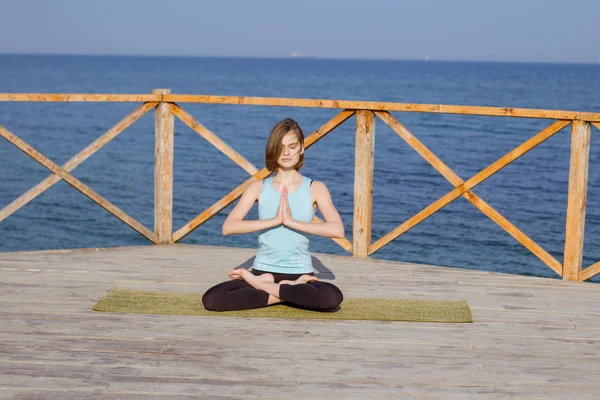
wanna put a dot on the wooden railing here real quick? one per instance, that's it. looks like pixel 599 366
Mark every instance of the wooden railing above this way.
pixel 166 108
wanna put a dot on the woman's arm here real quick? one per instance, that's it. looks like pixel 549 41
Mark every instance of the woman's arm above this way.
pixel 332 227
pixel 235 223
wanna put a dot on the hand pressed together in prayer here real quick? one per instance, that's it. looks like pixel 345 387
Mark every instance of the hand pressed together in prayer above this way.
pixel 284 213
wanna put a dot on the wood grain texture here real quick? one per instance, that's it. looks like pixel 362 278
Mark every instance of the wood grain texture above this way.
pixel 527 341
pixel 164 141
pixel 308 103
pixel 364 163
pixel 576 203
pixel 386 106
pixel 80 97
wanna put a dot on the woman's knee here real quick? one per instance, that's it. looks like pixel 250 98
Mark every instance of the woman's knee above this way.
pixel 332 296
pixel 210 301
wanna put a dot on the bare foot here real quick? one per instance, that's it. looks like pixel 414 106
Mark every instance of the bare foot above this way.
pixel 302 279
pixel 244 274
pixel 236 273
pixel 307 278
pixel 266 278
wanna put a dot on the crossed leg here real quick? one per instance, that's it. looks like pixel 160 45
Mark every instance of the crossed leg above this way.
pixel 246 290
pixel 266 282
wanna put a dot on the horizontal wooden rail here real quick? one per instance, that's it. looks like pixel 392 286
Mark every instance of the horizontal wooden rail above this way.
pixel 79 97
pixel 307 103
pixel 165 102
pixel 386 106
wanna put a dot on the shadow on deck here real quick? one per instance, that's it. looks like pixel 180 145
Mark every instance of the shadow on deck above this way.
pixel 532 337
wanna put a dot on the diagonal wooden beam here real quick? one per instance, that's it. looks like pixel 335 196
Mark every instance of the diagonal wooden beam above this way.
pixel 589 272
pixel 597 125
pixel 342 242
pixel 327 127
pixel 478 202
pixel 217 207
pixel 513 231
pixel 262 174
pixel 76 160
pixel 469 184
pixel 213 139
pixel 76 183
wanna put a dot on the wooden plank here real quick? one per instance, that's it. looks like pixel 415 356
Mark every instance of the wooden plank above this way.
pixel 164 140
pixel 386 106
pixel 135 260
pixel 576 204
pixel 213 139
pixel 383 351
pixel 76 160
pixel 478 202
pixel 589 272
pixel 469 184
pixel 364 162
pixel 526 340
pixel 308 103
pixel 76 183
pixel 262 174
pixel 79 97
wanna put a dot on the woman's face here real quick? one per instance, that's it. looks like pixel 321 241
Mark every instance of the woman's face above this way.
pixel 290 151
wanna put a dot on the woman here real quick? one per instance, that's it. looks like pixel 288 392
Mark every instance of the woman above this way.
pixel 282 270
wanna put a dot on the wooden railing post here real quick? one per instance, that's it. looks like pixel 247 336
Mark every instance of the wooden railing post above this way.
pixel 578 177
pixel 363 182
pixel 164 127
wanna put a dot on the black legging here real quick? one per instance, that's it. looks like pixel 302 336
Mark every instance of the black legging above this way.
pixel 237 294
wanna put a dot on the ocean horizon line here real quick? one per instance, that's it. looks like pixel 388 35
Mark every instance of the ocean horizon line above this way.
pixel 314 58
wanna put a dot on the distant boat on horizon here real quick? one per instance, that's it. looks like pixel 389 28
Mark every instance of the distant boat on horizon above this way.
pixel 302 55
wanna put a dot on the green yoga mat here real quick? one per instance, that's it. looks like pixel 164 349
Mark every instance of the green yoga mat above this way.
pixel 153 302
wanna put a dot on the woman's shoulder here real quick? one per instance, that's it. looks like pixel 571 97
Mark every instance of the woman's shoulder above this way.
pixel 318 187
pixel 255 187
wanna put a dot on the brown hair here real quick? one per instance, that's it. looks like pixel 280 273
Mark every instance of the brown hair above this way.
pixel 274 146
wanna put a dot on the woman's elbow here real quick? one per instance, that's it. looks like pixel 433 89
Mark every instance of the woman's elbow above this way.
pixel 226 229
pixel 340 232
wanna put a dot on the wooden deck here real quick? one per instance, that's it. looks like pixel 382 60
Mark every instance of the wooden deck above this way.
pixel 533 338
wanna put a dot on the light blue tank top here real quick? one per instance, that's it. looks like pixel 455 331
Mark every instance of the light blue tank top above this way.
pixel 281 249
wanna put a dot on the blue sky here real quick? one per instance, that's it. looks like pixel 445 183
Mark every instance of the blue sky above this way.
pixel 487 30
